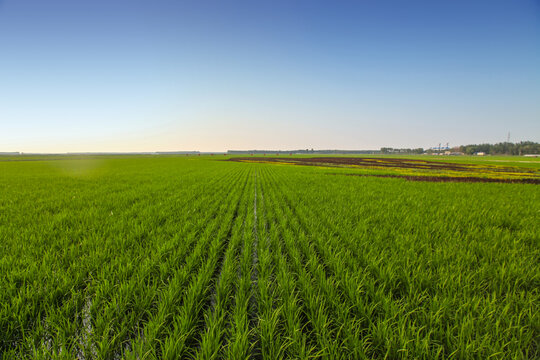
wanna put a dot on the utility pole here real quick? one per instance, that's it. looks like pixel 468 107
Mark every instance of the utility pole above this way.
pixel 508 138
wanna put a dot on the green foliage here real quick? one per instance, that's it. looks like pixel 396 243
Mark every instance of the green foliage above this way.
pixel 172 257
pixel 504 148
pixel 389 150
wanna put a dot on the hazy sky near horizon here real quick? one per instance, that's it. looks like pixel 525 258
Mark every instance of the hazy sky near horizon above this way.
pixel 119 75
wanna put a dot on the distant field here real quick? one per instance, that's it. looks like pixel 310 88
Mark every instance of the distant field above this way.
pixel 409 168
pixel 178 257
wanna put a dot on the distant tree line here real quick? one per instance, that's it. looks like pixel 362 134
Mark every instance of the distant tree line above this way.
pixel 303 151
pixel 389 150
pixel 503 148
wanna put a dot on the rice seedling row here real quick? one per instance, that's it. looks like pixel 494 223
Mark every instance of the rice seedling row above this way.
pixel 125 297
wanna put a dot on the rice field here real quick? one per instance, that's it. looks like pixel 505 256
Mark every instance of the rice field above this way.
pixel 184 257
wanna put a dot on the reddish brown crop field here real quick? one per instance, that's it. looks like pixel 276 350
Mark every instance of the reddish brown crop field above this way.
pixel 423 170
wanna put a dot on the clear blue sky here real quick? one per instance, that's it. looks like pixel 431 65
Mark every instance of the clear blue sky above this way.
pixel 118 75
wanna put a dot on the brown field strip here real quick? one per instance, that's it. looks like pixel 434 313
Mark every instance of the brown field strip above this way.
pixel 424 170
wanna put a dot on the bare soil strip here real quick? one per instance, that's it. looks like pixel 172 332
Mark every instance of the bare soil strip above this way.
pixel 448 178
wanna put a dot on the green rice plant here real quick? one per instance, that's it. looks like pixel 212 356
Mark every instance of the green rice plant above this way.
pixel 388 276
pixel 149 257
pixel 238 345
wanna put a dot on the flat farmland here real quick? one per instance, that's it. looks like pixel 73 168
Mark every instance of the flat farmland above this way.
pixel 283 257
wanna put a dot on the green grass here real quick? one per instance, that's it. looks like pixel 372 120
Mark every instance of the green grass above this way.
pixel 151 257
